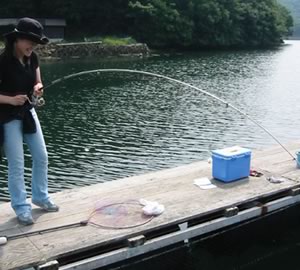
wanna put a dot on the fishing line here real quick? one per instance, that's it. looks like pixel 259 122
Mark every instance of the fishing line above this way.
pixel 172 80
pixel 105 208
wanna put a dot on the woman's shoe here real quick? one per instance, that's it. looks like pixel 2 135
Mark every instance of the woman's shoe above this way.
pixel 47 206
pixel 25 218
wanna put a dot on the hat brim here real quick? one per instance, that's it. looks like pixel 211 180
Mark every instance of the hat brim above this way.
pixel 30 36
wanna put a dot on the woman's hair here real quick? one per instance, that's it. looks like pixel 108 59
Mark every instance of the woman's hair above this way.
pixel 9 48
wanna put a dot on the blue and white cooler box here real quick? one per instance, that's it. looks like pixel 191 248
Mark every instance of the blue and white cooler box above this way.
pixel 230 164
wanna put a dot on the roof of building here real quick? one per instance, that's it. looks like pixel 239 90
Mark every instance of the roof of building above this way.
pixel 43 21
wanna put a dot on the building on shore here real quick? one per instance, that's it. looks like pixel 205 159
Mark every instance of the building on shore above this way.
pixel 54 28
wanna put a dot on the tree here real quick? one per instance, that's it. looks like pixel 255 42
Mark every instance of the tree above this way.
pixel 166 23
pixel 160 22
pixel 294 7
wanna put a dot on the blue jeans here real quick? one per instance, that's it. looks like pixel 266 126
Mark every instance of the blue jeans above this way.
pixel 13 149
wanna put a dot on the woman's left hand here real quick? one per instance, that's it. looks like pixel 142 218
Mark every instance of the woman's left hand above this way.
pixel 38 90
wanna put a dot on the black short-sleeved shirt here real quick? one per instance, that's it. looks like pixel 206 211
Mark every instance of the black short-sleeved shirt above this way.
pixel 16 78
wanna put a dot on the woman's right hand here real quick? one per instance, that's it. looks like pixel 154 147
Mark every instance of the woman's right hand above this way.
pixel 18 100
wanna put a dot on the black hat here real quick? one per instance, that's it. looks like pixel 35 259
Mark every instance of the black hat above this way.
pixel 28 28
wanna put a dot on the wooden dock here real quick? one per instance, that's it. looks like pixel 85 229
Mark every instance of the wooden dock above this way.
pixel 189 212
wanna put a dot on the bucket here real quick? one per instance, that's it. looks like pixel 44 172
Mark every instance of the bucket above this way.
pixel 298 158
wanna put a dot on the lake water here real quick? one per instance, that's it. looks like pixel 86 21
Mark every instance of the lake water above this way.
pixel 102 127
pixel 105 126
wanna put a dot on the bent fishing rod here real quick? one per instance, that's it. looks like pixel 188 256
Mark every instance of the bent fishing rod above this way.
pixel 172 80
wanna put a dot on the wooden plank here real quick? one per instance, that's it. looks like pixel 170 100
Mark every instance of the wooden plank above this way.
pixel 86 204
pixel 91 237
pixel 76 237
pixel 160 242
pixel 276 149
pixel 20 253
pixel 108 189
pixel 172 187
pixel 175 237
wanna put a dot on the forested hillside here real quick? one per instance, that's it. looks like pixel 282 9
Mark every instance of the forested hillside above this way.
pixel 165 23
pixel 294 7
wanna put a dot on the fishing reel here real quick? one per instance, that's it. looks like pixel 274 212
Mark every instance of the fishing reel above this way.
pixel 37 101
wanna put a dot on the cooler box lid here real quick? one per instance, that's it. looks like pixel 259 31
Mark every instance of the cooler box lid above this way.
pixel 233 151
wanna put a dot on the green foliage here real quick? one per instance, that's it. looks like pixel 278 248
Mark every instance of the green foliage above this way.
pixel 115 41
pixel 294 7
pixel 112 40
pixel 165 23
pixel 210 23
pixel 160 21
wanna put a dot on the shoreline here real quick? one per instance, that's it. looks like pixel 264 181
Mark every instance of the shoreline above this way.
pixel 91 49
pixel 78 50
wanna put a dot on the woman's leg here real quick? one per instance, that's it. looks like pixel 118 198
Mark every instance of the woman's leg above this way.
pixel 13 148
pixel 37 147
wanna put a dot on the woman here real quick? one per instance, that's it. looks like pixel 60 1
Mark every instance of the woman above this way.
pixel 20 78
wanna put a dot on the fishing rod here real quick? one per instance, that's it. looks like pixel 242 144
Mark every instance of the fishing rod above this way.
pixel 5 239
pixel 172 80
pixel 110 209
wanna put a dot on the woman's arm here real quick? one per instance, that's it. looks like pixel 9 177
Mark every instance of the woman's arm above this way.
pixel 17 100
pixel 5 99
pixel 37 89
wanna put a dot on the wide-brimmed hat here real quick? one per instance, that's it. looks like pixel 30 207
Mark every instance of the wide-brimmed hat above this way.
pixel 30 29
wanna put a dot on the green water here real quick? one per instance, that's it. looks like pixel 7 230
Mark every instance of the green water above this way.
pixel 103 127
pixel 106 126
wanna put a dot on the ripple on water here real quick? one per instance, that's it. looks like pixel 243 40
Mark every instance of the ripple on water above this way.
pixel 103 127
